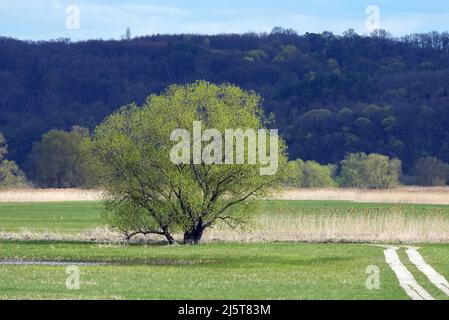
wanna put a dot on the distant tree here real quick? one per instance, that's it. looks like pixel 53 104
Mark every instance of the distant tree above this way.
pixel 315 175
pixel 150 194
pixel 382 172
pixel 127 36
pixel 255 55
pixel 278 30
pixel 3 147
pixel 316 120
pixel 309 174
pixel 294 173
pixel 84 132
pixel 352 174
pixel 10 173
pixel 429 171
pixel 350 34
pixel 372 171
pixel 59 160
pixel 288 52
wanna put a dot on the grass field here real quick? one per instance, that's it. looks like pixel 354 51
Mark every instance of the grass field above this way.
pixel 219 270
pixel 212 271
pixel 67 217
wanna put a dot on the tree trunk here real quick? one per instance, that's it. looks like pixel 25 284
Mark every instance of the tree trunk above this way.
pixel 169 237
pixel 194 237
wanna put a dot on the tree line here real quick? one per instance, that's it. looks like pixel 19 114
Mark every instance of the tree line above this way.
pixel 332 95
pixel 63 159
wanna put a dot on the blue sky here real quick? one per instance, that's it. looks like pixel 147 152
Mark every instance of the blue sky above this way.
pixel 106 19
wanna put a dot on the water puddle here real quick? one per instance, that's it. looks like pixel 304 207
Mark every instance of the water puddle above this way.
pixel 48 263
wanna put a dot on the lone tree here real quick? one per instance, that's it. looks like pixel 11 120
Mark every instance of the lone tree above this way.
pixel 149 193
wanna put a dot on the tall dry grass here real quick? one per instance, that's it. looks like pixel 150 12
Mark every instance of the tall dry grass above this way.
pixel 49 195
pixel 378 225
pixel 421 195
pixel 416 195
pixel 98 234
pixel 398 224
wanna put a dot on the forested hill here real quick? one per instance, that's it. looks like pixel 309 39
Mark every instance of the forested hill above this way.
pixel 331 94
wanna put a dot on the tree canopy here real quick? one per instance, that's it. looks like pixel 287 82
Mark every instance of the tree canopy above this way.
pixel 372 171
pixel 430 171
pixel 150 192
pixel 10 173
pixel 60 160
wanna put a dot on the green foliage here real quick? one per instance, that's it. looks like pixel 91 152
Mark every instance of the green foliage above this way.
pixel 288 52
pixel 255 55
pixel 317 119
pixel 3 147
pixel 293 173
pixel 430 171
pixel 60 160
pixel 372 171
pixel 352 171
pixel 345 115
pixel 382 172
pixel 309 174
pixel 317 176
pixel 10 173
pixel 148 193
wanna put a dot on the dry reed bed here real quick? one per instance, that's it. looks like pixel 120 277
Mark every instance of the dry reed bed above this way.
pixel 415 195
pixel 398 224
pixel 49 195
pixel 382 225
pixel 374 225
pixel 100 235
pixel 419 195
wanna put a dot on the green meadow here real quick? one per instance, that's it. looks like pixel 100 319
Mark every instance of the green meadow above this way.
pixel 212 270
